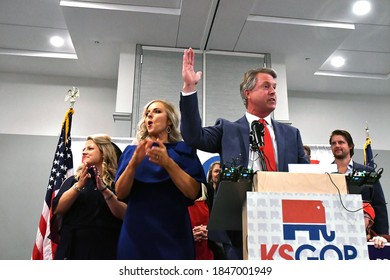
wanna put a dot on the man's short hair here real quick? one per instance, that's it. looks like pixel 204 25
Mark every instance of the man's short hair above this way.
pixel 347 136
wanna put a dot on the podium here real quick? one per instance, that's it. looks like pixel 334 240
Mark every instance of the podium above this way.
pixel 299 182
pixel 229 202
pixel 287 182
pixel 230 207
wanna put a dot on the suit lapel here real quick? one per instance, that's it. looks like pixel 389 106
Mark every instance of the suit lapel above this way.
pixel 280 142
pixel 244 134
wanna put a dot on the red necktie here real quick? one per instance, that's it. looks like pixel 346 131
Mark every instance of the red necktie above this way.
pixel 269 155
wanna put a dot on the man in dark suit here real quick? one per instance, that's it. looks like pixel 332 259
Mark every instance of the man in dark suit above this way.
pixel 231 139
pixel 342 146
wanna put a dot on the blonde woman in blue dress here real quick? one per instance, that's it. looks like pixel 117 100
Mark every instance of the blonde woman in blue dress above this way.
pixel 160 177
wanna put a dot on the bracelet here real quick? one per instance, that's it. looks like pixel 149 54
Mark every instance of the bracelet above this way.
pixel 103 189
pixel 76 188
pixel 109 197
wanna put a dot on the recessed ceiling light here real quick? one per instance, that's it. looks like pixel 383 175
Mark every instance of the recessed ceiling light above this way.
pixel 361 8
pixel 337 61
pixel 57 41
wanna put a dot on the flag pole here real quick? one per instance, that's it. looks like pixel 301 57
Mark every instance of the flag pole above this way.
pixel 367 150
pixel 46 240
pixel 71 95
pixel 367 131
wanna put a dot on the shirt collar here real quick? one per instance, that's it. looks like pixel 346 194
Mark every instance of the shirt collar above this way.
pixel 350 167
pixel 250 117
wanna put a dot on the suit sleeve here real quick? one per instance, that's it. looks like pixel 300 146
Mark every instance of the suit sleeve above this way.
pixel 378 202
pixel 207 139
pixel 381 222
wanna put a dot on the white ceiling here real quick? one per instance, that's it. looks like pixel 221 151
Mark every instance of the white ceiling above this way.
pixel 292 31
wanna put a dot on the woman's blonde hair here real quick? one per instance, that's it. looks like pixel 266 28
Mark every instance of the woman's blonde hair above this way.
pixel 173 117
pixel 110 160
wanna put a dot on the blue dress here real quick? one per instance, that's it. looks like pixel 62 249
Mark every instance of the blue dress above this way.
pixel 157 225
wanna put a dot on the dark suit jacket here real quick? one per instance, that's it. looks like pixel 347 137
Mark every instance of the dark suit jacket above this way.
pixel 377 199
pixel 231 139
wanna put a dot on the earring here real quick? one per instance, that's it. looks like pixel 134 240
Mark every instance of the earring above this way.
pixel 169 129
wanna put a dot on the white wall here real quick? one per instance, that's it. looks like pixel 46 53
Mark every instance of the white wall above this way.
pixel 35 105
pixel 317 115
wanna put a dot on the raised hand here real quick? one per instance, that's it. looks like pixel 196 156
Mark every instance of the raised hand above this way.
pixel 190 78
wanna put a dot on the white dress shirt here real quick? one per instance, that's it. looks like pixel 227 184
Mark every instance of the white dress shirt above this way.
pixel 254 159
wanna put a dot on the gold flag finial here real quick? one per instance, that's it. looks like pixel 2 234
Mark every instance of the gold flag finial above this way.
pixel 71 95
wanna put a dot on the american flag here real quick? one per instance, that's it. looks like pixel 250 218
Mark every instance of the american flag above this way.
pixel 45 245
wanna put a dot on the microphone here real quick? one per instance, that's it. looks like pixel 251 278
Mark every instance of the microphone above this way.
pixel 257 135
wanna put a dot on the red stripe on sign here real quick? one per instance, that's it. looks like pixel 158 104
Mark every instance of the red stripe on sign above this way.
pixel 303 211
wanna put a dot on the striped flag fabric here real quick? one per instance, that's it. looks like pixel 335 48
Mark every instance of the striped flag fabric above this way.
pixel 45 247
